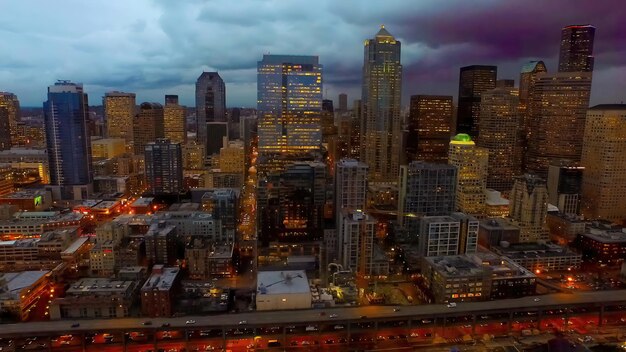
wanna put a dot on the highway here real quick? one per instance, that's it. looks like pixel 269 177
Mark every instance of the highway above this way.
pixel 344 315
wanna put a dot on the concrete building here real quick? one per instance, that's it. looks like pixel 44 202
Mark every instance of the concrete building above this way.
pixel 472 164
pixel 476 277
pixel 381 124
pixel 498 133
pixel 565 186
pixel 283 290
pixel 447 235
pixel 538 257
pixel 565 228
pixel 119 111
pixel 603 243
pixel 430 128
pixel 350 185
pixel 604 159
pixel 161 243
pixel 95 298
pixel 223 205
pixel 196 223
pixel 529 207
pixel 157 293
pixel 148 126
pixel 20 292
pixel 495 231
pixel 206 260
pixel 232 157
pixel 164 167
pixel 174 120
pixel 559 104
pixel 495 204
pixel 107 148
pixel 356 240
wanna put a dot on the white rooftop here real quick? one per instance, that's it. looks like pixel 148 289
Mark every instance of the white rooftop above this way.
pixel 13 283
pixel 282 282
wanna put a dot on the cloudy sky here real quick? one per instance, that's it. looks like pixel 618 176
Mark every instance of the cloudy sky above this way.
pixel 157 47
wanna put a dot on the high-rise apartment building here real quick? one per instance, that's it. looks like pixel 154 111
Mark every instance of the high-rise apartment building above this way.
pixel 350 185
pixel 68 142
pixel 604 159
pixel 472 163
pixel 565 186
pixel 175 127
pixel 381 123
pixel 528 207
pixel 576 54
pixel 430 124
pixel 356 241
pixel 9 117
pixel 164 167
pixel 147 126
pixel 289 104
pixel 473 80
pixel 559 106
pixel 119 112
pixel 210 103
pixel 499 123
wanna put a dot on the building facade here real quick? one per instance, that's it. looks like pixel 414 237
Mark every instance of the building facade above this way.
pixel 576 53
pixel 529 207
pixel 68 141
pixel 473 81
pixel 9 117
pixel 147 126
pixel 164 167
pixel 210 103
pixel 604 159
pixel 565 186
pixel 350 185
pixel 356 241
pixel 430 127
pixel 472 164
pixel 381 123
pixel 119 112
pixel 174 120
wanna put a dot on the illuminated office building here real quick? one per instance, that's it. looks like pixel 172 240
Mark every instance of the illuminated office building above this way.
pixel 9 117
pixel 471 162
pixel 576 54
pixel 604 159
pixel 210 103
pixel 289 104
pixel 430 124
pixel 528 77
pixel 528 207
pixel 68 143
pixel 119 112
pixel 174 122
pixel 147 126
pixel 473 80
pixel 559 107
pixel 499 122
pixel 381 123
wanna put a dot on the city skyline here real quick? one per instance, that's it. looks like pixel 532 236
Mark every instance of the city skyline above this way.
pixel 159 57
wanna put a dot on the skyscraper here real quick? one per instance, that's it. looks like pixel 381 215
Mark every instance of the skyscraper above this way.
pixel 9 117
pixel 175 128
pixel 559 107
pixel 528 77
pixel 430 124
pixel 68 143
pixel 471 162
pixel 327 121
pixel 216 132
pixel 381 124
pixel 164 167
pixel 473 80
pixel 119 112
pixel 289 104
pixel 529 207
pixel 448 235
pixel 210 102
pixel 356 240
pixel 147 126
pixel 499 122
pixel 604 159
pixel 576 54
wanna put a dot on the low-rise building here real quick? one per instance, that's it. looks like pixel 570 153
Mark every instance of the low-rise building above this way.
pixel 281 290
pixel 565 228
pixel 158 292
pixel 95 298
pixel 198 297
pixel 29 199
pixel 494 231
pixel 540 257
pixel 20 292
pixel 161 243
pixel 604 243
pixel 205 260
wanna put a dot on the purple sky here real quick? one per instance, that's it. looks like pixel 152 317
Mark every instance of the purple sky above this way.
pixel 158 47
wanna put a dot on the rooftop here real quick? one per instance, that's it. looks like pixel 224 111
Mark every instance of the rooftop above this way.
pixel 221 252
pixel 142 202
pixel 89 286
pixel 162 278
pixel 482 263
pixel 608 107
pixel 613 235
pixel 282 282
pixel 12 283
pixel 533 250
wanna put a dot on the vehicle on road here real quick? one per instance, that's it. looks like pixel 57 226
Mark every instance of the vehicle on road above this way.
pixel 188 322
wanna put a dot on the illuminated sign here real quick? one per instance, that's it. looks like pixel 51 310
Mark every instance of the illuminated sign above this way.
pixel 37 201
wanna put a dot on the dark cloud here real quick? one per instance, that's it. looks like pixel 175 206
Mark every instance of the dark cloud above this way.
pixel 153 47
